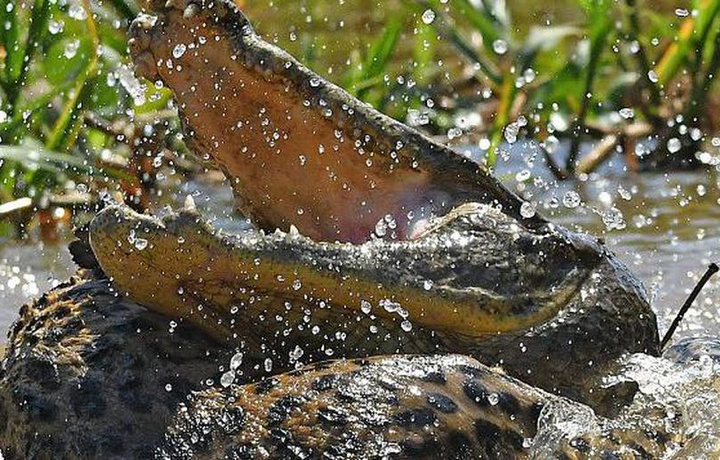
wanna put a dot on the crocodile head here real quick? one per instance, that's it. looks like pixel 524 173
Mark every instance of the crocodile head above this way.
pixel 463 271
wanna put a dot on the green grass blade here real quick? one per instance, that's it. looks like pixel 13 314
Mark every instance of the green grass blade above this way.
pixel 10 36
pixel 371 69
pixel 61 132
pixel 693 33
pixel 483 21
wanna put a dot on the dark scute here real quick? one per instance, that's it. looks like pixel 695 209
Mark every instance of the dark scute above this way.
pixel 415 418
pixel 333 415
pixel 324 383
pixel 286 446
pixel 458 446
pixel 580 444
pixel 241 452
pixel 476 392
pixel 442 403
pixel 497 441
pixel 266 385
pixel 509 404
pixel 280 410
pixel 420 447
pixel 435 377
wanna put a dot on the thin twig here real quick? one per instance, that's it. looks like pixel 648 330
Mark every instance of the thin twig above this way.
pixel 598 155
pixel 712 269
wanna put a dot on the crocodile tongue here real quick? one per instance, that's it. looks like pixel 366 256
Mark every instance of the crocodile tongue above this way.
pixel 297 149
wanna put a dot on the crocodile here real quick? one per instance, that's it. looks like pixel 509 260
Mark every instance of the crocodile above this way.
pixel 376 246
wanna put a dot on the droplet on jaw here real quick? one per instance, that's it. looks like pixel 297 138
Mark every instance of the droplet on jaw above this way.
pixel 191 11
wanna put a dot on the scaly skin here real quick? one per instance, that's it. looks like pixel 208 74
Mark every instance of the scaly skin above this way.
pixel 90 374
pixel 263 116
pixel 500 293
pixel 414 407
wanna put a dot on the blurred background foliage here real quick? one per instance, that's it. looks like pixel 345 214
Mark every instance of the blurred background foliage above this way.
pixel 632 77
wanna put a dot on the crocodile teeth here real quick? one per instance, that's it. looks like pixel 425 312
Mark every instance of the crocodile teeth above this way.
pixel 190 204
pixel 293 232
pixel 191 11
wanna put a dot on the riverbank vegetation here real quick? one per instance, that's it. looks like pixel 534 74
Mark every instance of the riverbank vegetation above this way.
pixel 589 79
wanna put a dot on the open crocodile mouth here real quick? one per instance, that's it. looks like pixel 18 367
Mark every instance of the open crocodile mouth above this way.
pixel 430 252
pixel 446 280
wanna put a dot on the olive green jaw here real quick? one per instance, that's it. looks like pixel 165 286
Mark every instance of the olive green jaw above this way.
pixel 180 255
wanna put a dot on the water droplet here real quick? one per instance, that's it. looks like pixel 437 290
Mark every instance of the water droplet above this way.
pixel 381 228
pixel 428 16
pixel 297 284
pixel 314 82
pixel 523 175
pixel 71 49
pixel 454 133
pixel 674 145
pixel 55 27
pixel 179 50
pixel 427 285
pixel 511 132
pixel 406 326
pixel 627 113
pixel 268 364
pixel 140 243
pixel 365 307
pixel 682 12
pixel 696 134
pixel 653 76
pixel 77 12
pixel 571 199
pixel 527 209
pixel 529 75
pixel 500 46
pixel 493 399
pixel 296 353
pixel 227 379
pixel 613 219
pixel 168 387
pixel 236 361
pixel 389 305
